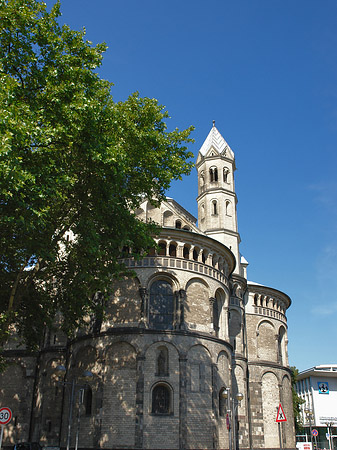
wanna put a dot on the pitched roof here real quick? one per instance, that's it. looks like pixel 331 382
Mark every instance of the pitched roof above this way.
pixel 215 140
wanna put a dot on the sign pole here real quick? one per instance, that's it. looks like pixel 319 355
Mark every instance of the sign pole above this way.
pixel 1 436
pixel 280 434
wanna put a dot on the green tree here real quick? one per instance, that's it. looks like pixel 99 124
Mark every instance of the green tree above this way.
pixel 72 163
pixel 297 401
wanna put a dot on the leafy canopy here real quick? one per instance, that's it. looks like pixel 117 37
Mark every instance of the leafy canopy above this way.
pixel 72 163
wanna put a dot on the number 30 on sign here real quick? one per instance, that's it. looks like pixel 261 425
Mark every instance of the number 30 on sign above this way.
pixel 5 416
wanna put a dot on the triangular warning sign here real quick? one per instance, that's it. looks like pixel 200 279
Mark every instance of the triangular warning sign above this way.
pixel 280 417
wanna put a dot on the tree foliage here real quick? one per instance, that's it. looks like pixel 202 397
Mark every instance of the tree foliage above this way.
pixel 72 163
pixel 297 400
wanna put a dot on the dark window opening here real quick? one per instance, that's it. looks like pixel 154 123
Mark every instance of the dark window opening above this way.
pixel 173 250
pixel 161 400
pixel 222 403
pixel 178 224
pixel 186 252
pixel 162 249
pixel 195 255
pixel 161 305
pixel 213 173
pixel 152 252
pixel 215 209
pixel 216 316
pixel 88 401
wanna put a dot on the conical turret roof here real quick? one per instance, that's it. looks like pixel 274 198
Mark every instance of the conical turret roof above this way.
pixel 215 140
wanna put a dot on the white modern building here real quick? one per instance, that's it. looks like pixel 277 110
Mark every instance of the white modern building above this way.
pixel 317 386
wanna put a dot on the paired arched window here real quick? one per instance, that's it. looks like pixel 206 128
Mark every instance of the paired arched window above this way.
pixel 161 305
pixel 226 175
pixel 213 174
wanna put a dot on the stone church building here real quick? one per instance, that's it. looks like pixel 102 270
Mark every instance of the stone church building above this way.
pixel 190 355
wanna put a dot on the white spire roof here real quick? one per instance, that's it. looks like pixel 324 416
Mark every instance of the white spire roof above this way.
pixel 215 140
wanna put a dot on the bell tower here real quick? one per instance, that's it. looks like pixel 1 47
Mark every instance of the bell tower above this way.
pixel 217 214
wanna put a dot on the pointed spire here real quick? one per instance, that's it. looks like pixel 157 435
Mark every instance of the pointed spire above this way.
pixel 215 140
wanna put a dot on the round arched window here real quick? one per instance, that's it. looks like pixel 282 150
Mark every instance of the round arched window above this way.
pixel 161 399
pixel 161 306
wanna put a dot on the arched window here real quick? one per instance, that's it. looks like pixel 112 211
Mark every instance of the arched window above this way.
pixel 225 174
pixel 173 250
pixel 186 252
pixel 195 254
pixel 214 207
pixel 216 316
pixel 213 174
pixel 162 249
pixel 222 402
pixel 202 211
pixel 161 305
pixel 228 208
pixel 178 224
pixel 161 399
pixel 88 400
pixel 202 178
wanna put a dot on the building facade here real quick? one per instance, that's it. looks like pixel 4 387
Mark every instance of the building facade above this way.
pixel 317 387
pixel 190 355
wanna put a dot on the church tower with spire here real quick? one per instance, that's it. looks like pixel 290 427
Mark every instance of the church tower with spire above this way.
pixel 217 213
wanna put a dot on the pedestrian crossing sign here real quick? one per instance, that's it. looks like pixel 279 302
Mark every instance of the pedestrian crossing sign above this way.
pixel 280 417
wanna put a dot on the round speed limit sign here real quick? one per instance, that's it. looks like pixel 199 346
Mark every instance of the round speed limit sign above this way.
pixel 5 416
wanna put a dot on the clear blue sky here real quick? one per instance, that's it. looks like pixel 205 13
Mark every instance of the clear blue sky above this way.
pixel 266 72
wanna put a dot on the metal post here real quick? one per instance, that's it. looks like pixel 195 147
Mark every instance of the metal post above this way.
pixel 80 402
pixel 2 434
pixel 71 403
pixel 229 412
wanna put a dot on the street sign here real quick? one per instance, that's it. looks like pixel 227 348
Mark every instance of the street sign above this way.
pixel 280 417
pixel 314 432
pixel 5 416
pixel 227 422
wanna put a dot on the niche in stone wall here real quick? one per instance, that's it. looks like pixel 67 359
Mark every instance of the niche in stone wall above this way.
pixel 266 341
pixel 223 369
pixel 287 403
pixel 162 361
pixel 197 308
pixel 282 358
pixel 220 297
pixel 168 219
pixel 234 325
pixel 270 402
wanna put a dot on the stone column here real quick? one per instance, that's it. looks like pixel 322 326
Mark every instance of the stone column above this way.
pixel 182 297
pixel 144 307
pixel 215 417
pixel 139 417
pixel 183 402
